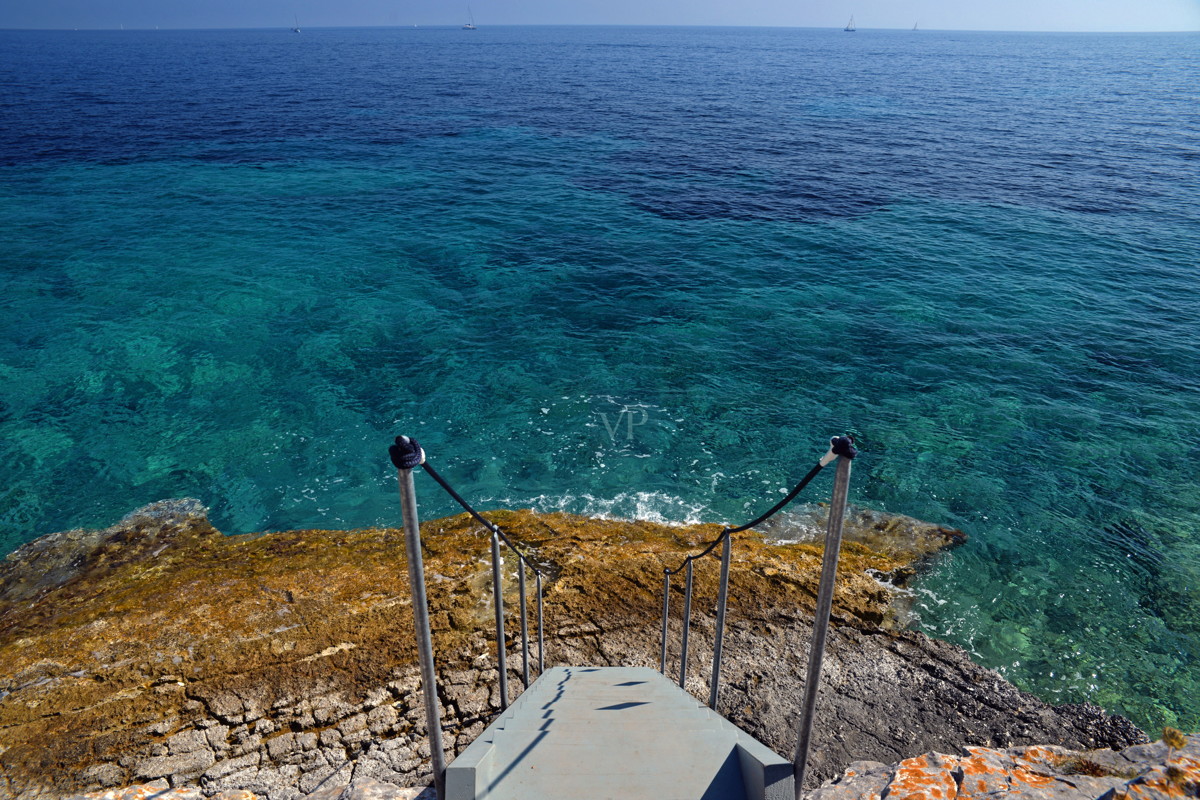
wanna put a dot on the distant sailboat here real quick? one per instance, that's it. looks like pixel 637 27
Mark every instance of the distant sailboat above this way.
pixel 470 26
pixel 297 28
pixel 850 25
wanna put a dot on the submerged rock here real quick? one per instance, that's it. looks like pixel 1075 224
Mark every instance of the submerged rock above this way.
pixel 283 664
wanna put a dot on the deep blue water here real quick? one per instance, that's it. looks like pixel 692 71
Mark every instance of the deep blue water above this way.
pixel 633 271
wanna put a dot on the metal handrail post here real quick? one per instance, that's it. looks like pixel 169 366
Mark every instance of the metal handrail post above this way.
pixel 833 542
pixel 541 627
pixel 498 600
pixel 687 624
pixel 420 605
pixel 524 624
pixel 722 600
pixel 662 658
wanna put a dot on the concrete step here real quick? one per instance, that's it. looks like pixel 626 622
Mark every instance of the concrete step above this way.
pixel 613 702
pixel 626 733
pixel 662 723
pixel 646 765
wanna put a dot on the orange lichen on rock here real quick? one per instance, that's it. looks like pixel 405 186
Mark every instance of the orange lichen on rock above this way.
pixel 1140 772
pixel 926 777
pixel 977 773
pixel 981 774
pixel 1023 772
pixel 155 790
pixel 1179 778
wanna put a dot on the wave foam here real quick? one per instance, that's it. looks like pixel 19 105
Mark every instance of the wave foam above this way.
pixel 657 507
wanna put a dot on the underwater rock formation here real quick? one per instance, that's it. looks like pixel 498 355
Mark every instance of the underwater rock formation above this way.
pixel 283 664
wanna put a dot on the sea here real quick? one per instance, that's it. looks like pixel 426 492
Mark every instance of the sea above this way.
pixel 635 272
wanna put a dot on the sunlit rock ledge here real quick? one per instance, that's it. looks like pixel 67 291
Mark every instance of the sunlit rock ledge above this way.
pixel 283 664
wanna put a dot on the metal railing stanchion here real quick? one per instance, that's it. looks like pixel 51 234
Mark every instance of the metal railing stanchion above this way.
pixel 842 448
pixel 662 658
pixel 499 536
pixel 724 539
pixel 541 627
pixel 498 600
pixel 722 600
pixel 524 624
pixel 687 624
pixel 407 454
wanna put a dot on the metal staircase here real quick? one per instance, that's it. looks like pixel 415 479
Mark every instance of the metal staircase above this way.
pixel 625 733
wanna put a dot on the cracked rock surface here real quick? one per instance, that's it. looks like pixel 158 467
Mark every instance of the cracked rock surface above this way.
pixel 282 665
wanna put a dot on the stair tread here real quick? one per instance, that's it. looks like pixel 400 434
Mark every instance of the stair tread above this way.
pixel 596 733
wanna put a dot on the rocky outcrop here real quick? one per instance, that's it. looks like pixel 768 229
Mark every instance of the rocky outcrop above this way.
pixel 283 664
pixel 1142 772
pixel 362 789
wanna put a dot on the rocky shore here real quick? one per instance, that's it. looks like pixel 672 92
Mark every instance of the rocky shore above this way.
pixel 1141 772
pixel 282 665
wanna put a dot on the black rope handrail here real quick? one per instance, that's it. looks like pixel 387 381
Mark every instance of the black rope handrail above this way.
pixel 839 445
pixel 491 526
pixel 406 453
pixel 842 446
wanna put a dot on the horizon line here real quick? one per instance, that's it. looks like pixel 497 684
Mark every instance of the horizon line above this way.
pixel 453 25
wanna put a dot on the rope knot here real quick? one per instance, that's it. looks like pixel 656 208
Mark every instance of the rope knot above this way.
pixel 406 453
pixel 843 446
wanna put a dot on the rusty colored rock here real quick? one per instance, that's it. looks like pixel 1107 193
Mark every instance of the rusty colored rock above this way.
pixel 283 664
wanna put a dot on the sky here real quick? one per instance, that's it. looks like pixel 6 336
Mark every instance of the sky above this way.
pixel 1001 15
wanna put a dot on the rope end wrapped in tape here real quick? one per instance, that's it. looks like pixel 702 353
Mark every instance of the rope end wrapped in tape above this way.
pixel 406 453
pixel 839 446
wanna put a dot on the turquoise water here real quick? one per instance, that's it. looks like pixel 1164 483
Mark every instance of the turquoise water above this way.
pixel 636 272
